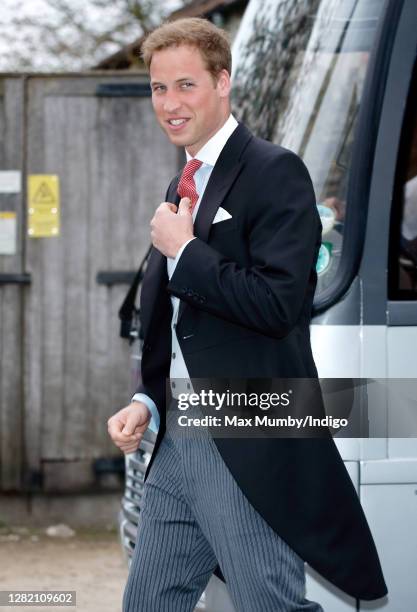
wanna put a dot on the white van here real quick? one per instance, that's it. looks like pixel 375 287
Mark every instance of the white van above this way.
pixel 336 82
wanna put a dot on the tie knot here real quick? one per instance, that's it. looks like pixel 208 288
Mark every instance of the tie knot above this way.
pixel 191 168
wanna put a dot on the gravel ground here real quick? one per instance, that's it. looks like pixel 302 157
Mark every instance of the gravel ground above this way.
pixel 90 563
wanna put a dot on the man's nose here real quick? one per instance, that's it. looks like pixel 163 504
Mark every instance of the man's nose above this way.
pixel 171 103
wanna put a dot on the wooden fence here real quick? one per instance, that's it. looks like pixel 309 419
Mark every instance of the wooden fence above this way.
pixel 63 368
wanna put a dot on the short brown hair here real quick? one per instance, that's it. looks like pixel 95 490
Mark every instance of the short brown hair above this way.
pixel 212 42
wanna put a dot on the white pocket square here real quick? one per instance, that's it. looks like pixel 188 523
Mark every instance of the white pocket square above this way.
pixel 221 215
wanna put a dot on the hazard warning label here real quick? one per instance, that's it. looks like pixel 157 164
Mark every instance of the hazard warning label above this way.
pixel 43 205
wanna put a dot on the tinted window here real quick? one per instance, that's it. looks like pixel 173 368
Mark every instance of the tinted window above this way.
pixel 299 73
pixel 403 249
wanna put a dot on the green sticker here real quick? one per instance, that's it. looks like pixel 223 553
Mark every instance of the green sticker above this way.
pixel 324 257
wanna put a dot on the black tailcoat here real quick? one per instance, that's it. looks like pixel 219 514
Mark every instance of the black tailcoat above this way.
pixel 246 287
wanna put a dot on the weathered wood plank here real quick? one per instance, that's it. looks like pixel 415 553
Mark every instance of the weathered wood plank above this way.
pixel 114 165
pixel 33 320
pixel 11 388
pixel 11 152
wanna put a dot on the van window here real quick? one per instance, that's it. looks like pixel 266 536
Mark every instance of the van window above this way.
pixel 402 277
pixel 298 79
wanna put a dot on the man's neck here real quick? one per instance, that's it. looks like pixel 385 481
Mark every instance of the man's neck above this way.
pixel 193 153
pixel 210 151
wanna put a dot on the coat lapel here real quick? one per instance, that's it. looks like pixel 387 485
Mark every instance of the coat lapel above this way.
pixel 224 174
pixel 220 182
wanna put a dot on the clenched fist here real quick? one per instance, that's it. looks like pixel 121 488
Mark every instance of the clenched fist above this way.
pixel 127 426
pixel 170 230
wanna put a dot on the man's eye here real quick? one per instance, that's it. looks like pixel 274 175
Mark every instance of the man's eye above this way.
pixel 187 85
pixel 158 88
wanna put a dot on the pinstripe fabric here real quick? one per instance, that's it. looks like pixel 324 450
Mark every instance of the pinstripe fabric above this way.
pixel 194 515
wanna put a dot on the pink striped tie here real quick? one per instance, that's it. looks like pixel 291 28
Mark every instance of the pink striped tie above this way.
pixel 186 186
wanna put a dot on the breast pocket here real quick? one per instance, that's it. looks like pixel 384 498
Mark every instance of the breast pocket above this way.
pixel 222 227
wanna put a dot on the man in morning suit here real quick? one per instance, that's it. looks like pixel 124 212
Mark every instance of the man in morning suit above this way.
pixel 228 292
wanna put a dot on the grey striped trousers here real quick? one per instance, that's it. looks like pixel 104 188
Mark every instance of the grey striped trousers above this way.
pixel 194 516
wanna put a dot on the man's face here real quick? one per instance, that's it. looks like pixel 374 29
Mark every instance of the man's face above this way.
pixel 189 105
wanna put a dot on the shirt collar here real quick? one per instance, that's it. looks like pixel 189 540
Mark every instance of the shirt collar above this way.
pixel 210 152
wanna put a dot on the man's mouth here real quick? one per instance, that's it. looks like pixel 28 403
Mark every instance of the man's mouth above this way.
pixel 176 121
pixel 177 124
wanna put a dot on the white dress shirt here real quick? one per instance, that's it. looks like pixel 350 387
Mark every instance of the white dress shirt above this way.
pixel 208 154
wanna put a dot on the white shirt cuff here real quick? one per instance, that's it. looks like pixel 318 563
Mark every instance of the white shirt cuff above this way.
pixel 177 257
pixel 150 404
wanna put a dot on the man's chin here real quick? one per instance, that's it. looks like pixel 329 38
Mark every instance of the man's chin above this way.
pixel 180 140
pixel 185 143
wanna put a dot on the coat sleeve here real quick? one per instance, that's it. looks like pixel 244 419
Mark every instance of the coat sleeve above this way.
pixel 283 237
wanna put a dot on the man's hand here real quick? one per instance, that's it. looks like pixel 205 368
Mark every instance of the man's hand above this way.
pixel 169 231
pixel 127 426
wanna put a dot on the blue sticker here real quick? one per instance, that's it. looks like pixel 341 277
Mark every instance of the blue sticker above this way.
pixel 324 258
pixel 327 218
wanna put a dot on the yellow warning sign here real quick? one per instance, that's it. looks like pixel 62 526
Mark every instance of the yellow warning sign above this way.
pixel 43 205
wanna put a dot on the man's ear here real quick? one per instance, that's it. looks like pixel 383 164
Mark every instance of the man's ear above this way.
pixel 223 83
